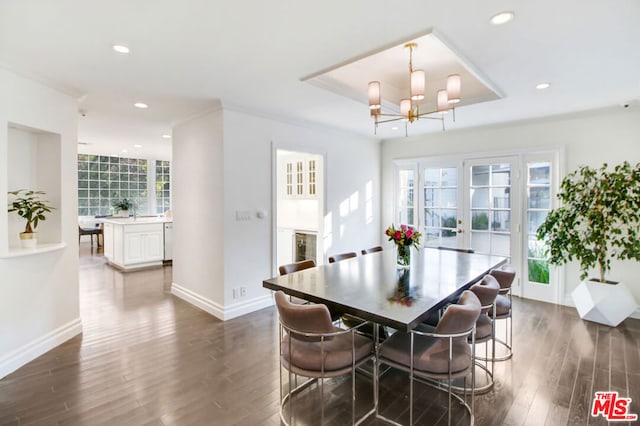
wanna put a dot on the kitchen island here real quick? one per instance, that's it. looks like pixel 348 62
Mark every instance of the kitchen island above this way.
pixel 133 243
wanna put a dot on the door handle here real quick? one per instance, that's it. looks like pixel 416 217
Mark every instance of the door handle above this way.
pixel 460 231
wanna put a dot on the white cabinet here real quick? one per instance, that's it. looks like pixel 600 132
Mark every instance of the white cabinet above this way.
pixel 129 244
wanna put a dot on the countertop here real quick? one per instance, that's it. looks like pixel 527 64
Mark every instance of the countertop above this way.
pixel 136 221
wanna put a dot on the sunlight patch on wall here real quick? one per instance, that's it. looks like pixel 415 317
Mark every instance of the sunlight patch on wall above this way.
pixel 368 203
pixel 327 237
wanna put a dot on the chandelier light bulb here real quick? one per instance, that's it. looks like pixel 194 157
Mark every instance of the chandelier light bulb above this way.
pixel 417 85
pixel 453 88
pixel 374 95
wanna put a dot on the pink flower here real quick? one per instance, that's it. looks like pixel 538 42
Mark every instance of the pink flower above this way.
pixel 403 227
pixel 409 232
pixel 397 235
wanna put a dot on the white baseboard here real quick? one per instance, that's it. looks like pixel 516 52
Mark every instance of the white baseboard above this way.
pixel 221 312
pixel 37 347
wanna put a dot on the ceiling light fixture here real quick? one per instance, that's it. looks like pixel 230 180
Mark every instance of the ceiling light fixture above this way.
pixel 542 86
pixel 501 18
pixel 141 105
pixel 120 48
pixel 125 150
pixel 410 107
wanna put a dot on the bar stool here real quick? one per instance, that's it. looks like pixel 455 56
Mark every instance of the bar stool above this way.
pixel 503 308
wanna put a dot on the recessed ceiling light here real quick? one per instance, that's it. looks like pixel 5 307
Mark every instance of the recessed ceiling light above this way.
pixel 166 136
pixel 137 146
pixel 542 86
pixel 141 105
pixel 125 150
pixel 120 48
pixel 395 128
pixel 502 18
pixel 115 155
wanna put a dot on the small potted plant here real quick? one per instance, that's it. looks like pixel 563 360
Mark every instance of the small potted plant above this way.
pixel 599 221
pixel 28 205
pixel 122 206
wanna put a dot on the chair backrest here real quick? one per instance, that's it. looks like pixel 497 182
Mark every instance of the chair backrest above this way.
pixel 342 256
pixel 297 266
pixel 505 275
pixel 486 291
pixel 314 318
pixel 461 250
pixel 371 250
pixel 460 317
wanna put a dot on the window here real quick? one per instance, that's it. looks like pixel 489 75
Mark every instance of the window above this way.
pixel 312 177
pixel 538 206
pixel 440 206
pixel 299 178
pixel 163 189
pixel 102 179
pixel 289 179
pixel 405 199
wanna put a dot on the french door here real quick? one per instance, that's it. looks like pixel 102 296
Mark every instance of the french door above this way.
pixel 481 204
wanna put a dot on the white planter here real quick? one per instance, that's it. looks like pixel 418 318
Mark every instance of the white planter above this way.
pixel 28 240
pixel 607 304
pixel 123 213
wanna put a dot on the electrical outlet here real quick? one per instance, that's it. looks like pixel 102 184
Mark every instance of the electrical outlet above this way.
pixel 243 291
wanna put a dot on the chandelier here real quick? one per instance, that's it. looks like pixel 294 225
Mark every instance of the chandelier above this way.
pixel 410 107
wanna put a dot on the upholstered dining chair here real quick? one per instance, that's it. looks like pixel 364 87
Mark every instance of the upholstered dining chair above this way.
pixel 441 355
pixel 341 256
pixel 504 311
pixel 486 291
pixel 311 346
pixel 371 250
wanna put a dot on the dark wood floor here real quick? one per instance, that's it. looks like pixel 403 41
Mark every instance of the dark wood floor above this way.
pixel 148 358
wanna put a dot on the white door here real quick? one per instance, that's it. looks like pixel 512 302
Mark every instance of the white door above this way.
pixel 492 205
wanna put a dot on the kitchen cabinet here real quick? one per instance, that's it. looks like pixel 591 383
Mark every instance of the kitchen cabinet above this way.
pixel 134 243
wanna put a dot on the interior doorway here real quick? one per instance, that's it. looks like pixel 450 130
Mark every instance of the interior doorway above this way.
pixel 299 191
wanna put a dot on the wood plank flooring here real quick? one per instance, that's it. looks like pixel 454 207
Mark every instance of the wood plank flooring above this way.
pixel 148 358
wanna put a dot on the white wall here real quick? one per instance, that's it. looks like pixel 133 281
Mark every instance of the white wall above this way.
pixel 198 221
pixel 222 164
pixel 39 303
pixel 592 138
pixel 351 163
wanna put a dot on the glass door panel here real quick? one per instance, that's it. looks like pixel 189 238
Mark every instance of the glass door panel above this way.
pixel 440 211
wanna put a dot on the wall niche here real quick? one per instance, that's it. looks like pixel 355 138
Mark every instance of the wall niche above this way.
pixel 34 162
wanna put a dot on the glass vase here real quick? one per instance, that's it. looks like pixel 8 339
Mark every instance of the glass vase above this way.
pixel 403 259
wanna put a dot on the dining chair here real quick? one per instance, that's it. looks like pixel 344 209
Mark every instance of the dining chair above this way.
pixel 296 266
pixel 98 230
pixel 290 268
pixel 371 250
pixel 486 291
pixel 311 346
pixel 503 311
pixel 342 256
pixel 441 355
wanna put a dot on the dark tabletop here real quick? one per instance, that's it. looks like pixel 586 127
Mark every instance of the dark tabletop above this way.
pixel 372 287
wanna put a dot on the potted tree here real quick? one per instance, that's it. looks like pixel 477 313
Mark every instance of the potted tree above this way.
pixel 598 221
pixel 28 205
pixel 122 206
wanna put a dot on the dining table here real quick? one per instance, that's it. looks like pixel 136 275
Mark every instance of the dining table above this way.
pixel 374 288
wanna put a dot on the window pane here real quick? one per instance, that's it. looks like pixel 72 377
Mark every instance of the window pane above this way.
pixel 448 198
pixel 501 198
pixel 431 177
pixel 432 217
pixel 450 177
pixel 479 175
pixel 540 173
pixel 480 198
pixel 535 220
pixel 501 221
pixel 501 244
pixel 449 218
pixel 538 271
pixel 480 220
pixel 430 197
pixel 500 174
pixel 480 241
pixel 539 198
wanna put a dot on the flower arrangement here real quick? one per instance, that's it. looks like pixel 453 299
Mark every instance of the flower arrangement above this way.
pixel 404 237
